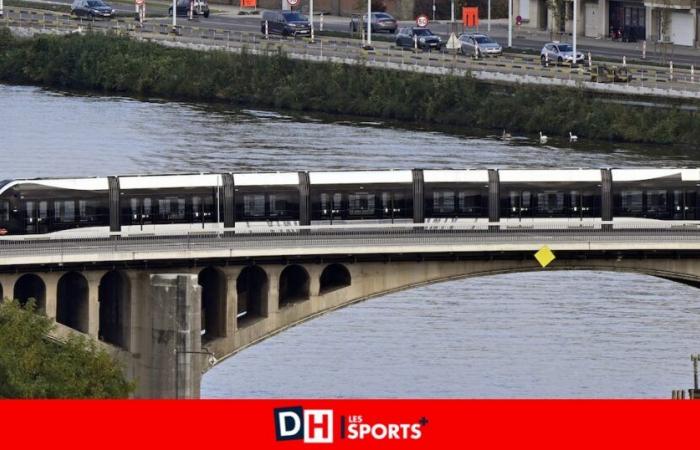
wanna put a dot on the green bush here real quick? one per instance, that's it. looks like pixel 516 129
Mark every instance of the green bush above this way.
pixel 113 64
pixel 33 366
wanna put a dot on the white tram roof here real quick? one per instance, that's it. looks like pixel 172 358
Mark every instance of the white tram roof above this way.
pixel 169 181
pixel 266 179
pixel 652 174
pixel 77 184
pixel 456 176
pixel 549 176
pixel 361 177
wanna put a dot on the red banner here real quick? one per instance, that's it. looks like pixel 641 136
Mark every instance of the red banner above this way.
pixel 249 4
pixel 360 424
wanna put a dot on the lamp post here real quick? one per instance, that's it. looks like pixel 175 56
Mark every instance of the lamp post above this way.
pixel 211 360
pixel 510 23
pixel 369 23
pixel 574 34
pixel 311 18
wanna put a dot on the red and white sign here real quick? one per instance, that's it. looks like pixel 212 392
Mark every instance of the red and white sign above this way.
pixel 140 2
pixel 293 2
pixel 422 20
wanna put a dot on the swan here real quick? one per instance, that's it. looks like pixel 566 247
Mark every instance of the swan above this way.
pixel 506 136
pixel 543 138
pixel 572 137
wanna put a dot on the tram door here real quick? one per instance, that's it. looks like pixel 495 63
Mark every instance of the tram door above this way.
pixel 685 204
pixel 520 204
pixel 393 205
pixel 35 215
pixel 331 207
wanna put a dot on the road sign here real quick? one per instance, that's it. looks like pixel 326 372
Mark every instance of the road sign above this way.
pixel 422 20
pixel 293 2
pixel 545 256
pixel 140 2
pixel 453 43
pixel 519 20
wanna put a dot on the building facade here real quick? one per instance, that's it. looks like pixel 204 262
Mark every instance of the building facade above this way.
pixel 668 21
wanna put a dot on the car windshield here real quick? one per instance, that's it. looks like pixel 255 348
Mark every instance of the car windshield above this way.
pixel 294 17
pixel 565 48
pixel 382 16
pixel 95 3
pixel 422 32
pixel 483 40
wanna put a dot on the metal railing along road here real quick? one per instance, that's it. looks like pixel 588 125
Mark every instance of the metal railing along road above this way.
pixel 349 239
pixel 386 55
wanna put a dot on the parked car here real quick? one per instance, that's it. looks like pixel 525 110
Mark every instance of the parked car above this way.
pixel 479 44
pixel 92 9
pixel 381 21
pixel 286 23
pixel 426 40
pixel 199 8
pixel 559 53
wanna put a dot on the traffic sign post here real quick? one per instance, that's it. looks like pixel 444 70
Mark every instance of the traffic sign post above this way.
pixel 141 10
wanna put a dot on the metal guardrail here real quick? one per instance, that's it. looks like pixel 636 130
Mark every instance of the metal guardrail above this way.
pixel 346 49
pixel 348 238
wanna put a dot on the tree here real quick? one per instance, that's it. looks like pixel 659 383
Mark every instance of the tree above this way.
pixel 32 365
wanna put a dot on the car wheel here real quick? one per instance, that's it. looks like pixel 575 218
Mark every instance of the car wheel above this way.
pixel 543 60
pixel 560 60
pixel 170 11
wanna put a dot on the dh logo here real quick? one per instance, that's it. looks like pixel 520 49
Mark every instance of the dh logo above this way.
pixel 314 426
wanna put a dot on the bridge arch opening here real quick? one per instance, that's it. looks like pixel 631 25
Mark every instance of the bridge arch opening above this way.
pixel 114 296
pixel 213 282
pixel 252 287
pixel 294 285
pixel 31 286
pixel 72 301
pixel 334 276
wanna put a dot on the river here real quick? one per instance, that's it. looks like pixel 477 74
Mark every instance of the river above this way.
pixel 554 334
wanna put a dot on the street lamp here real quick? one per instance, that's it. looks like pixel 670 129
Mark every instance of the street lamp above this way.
pixel 369 23
pixel 574 37
pixel 174 16
pixel 510 23
pixel 211 360
pixel 311 18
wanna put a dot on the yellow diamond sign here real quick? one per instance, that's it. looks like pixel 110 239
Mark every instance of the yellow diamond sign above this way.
pixel 544 256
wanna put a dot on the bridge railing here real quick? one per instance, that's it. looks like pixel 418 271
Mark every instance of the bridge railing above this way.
pixel 357 236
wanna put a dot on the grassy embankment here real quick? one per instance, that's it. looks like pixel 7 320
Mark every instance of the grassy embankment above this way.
pixel 119 65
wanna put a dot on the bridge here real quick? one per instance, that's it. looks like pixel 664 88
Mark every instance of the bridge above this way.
pixel 170 306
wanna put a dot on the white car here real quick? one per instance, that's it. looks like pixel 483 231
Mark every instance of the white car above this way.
pixel 559 53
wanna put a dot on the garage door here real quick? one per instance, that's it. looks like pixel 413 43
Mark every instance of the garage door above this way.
pixel 682 28
pixel 591 29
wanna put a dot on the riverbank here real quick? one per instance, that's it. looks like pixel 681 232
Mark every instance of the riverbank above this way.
pixel 111 64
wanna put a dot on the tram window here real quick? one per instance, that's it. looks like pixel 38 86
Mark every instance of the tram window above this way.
pixel 4 210
pixel 470 202
pixel 171 208
pixel 443 202
pixel 361 204
pixel 631 202
pixel 283 205
pixel 253 205
pixel 550 203
pixel 88 211
pixel 43 209
pixel 64 211
pixel 657 202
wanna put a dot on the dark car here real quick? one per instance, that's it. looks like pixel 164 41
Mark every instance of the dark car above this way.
pixel 92 9
pixel 422 37
pixel 381 21
pixel 286 23
pixel 199 8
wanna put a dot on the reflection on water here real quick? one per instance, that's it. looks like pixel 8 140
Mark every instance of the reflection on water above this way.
pixel 523 335
pixel 49 134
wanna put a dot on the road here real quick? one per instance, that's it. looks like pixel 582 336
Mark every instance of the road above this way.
pixel 226 18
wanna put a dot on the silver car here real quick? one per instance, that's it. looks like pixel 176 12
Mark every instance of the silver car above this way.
pixel 559 53
pixel 480 45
